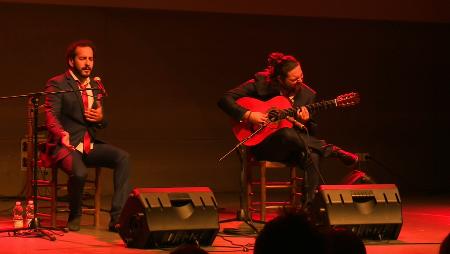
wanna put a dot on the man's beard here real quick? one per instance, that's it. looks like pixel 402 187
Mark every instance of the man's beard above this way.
pixel 79 72
pixel 291 90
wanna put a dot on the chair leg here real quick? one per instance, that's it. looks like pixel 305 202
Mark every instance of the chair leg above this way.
pixel 249 189
pixel 54 197
pixel 293 176
pixel 263 192
pixel 303 188
pixel 97 197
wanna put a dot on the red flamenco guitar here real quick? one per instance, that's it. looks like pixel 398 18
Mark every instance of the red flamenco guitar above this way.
pixel 278 108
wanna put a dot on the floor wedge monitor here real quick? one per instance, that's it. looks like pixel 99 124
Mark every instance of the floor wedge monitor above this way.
pixel 168 217
pixel 372 211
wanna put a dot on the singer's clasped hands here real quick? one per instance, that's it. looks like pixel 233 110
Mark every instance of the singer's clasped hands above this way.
pixel 94 115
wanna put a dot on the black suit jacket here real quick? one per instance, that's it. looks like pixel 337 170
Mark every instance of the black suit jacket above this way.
pixel 65 112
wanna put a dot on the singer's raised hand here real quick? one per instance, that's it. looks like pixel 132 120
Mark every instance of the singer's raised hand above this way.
pixel 94 115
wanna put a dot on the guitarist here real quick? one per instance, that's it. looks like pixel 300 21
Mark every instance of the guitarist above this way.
pixel 283 76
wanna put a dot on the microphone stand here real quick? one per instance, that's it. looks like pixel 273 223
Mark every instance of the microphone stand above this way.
pixel 243 214
pixel 244 140
pixel 35 226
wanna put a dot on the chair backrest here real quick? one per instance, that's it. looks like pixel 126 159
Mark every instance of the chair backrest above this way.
pixel 44 159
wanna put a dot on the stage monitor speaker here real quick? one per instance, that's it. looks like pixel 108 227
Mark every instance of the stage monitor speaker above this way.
pixel 168 217
pixel 372 211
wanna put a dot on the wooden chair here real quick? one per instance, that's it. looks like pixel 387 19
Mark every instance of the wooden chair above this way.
pixel 293 184
pixel 52 201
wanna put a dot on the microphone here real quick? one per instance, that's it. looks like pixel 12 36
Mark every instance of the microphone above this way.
pixel 98 80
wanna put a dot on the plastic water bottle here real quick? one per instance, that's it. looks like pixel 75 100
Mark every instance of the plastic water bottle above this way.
pixel 18 215
pixel 29 213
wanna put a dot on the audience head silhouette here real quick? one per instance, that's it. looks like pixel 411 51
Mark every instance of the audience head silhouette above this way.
pixel 445 245
pixel 290 232
pixel 342 241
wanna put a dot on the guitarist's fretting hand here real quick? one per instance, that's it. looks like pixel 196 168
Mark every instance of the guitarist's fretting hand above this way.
pixel 256 118
pixel 303 114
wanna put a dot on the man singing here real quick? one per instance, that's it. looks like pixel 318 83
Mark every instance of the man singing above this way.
pixel 72 120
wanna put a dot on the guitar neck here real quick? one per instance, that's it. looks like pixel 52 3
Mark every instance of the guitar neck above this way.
pixel 314 107
pixel 321 105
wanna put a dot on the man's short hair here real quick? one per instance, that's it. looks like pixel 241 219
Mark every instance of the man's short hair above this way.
pixel 70 51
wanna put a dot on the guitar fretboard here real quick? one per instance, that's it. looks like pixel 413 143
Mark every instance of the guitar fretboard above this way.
pixel 314 107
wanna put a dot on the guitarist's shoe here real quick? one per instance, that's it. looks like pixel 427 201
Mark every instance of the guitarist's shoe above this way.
pixel 348 158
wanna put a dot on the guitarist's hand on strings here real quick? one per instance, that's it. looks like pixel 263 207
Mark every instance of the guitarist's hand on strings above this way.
pixel 256 118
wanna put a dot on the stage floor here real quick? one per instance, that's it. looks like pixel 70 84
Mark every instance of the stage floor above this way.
pixel 426 221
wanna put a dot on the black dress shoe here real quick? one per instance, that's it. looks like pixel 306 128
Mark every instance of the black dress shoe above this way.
pixel 74 223
pixel 113 227
pixel 348 158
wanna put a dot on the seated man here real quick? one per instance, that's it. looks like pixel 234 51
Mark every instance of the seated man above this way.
pixel 72 120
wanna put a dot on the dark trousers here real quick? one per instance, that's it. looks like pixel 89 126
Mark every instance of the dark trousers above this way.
pixel 289 145
pixel 103 155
